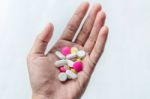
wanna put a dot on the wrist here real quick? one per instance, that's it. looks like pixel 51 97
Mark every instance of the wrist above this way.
pixel 36 96
pixel 39 96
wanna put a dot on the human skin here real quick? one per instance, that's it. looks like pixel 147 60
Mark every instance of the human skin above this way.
pixel 92 38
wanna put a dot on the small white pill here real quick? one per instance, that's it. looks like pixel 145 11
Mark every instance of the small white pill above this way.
pixel 62 76
pixel 59 55
pixel 60 63
pixel 71 74
pixel 81 53
pixel 70 63
pixel 71 56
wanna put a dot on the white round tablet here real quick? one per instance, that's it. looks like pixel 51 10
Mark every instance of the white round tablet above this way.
pixel 81 53
pixel 62 76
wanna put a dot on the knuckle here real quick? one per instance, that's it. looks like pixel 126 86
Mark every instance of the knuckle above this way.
pixel 72 27
pixel 78 15
pixel 79 41
pixel 85 30
pixel 92 39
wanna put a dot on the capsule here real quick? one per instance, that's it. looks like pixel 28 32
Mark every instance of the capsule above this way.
pixel 71 56
pixel 60 63
pixel 59 55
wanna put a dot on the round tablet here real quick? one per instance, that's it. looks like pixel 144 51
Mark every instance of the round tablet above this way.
pixel 81 53
pixel 66 50
pixel 77 66
pixel 74 50
pixel 62 69
pixel 62 76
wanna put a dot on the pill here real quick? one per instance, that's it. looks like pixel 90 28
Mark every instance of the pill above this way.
pixel 59 55
pixel 62 76
pixel 74 50
pixel 77 66
pixel 66 50
pixel 62 69
pixel 73 70
pixel 71 74
pixel 60 63
pixel 71 56
pixel 81 53
pixel 70 63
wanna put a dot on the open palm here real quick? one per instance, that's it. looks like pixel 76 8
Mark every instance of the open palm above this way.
pixel 42 71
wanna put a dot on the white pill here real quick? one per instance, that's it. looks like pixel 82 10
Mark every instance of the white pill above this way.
pixel 70 63
pixel 71 74
pixel 60 63
pixel 71 56
pixel 59 55
pixel 81 53
pixel 62 76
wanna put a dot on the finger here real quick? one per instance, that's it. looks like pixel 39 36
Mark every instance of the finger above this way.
pixel 99 22
pixel 94 56
pixel 86 29
pixel 42 40
pixel 100 44
pixel 75 22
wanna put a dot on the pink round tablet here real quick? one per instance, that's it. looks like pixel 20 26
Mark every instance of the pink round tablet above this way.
pixel 62 69
pixel 78 66
pixel 66 50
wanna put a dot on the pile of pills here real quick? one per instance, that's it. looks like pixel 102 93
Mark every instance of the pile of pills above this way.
pixel 70 62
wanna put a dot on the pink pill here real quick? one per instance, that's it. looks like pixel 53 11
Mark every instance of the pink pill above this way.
pixel 62 69
pixel 66 50
pixel 78 66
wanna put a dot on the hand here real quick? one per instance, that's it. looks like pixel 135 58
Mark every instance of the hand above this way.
pixel 42 71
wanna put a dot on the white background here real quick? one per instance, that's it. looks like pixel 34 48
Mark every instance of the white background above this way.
pixel 124 69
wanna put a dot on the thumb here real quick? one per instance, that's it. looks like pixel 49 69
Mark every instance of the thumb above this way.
pixel 42 40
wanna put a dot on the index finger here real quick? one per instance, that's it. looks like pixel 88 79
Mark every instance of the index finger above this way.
pixel 75 22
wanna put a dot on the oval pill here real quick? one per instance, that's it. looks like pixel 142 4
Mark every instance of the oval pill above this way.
pixel 60 63
pixel 59 55
pixel 71 56
pixel 62 76
pixel 66 50
pixel 71 74
pixel 81 53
